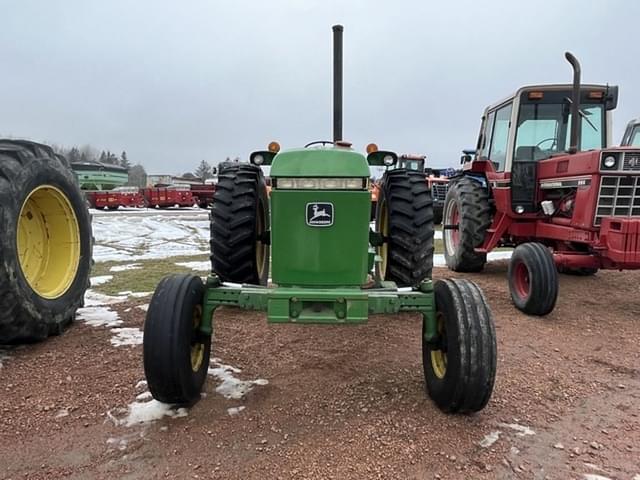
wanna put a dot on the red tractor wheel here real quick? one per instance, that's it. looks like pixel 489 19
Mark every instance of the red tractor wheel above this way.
pixel 533 279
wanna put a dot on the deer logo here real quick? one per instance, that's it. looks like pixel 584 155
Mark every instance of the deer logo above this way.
pixel 319 214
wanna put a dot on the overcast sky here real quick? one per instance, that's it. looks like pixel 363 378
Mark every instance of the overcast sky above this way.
pixel 173 83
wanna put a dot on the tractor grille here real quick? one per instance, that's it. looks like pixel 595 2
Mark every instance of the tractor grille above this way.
pixel 439 191
pixel 631 161
pixel 619 197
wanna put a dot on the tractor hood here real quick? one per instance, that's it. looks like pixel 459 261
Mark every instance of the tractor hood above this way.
pixel 319 162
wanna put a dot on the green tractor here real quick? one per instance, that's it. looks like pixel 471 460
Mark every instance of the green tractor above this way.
pixel 327 267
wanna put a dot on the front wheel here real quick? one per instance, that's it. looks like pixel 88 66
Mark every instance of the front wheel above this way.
pixel 460 364
pixel 176 354
pixel 533 279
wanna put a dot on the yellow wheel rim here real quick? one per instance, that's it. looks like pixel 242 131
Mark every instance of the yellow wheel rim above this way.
pixel 438 357
pixel 197 349
pixel 383 228
pixel 262 261
pixel 48 241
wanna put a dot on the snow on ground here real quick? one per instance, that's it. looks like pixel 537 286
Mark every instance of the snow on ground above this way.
pixel 521 430
pixel 122 268
pixel 100 316
pixel 490 439
pixel 439 261
pixel 100 280
pixel 95 299
pixel 126 336
pixel 232 387
pixel 144 412
pixel 4 355
pixel 127 237
pixel 203 266
pixel 129 293
pixel 144 307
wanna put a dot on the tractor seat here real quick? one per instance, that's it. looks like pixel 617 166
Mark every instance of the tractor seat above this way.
pixel 528 154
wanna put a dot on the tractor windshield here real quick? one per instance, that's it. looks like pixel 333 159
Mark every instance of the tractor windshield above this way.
pixel 544 127
pixel 635 137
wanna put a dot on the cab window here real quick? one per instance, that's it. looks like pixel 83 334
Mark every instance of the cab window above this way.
pixel 635 137
pixel 500 137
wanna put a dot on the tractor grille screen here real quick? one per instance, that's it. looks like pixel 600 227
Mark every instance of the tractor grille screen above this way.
pixel 618 197
pixel 631 161
pixel 439 191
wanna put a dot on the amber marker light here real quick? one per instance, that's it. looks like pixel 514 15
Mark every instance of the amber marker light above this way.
pixel 372 148
pixel 274 147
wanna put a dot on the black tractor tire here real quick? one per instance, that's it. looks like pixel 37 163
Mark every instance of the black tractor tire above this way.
pixel 460 367
pixel 437 216
pixel 175 353
pixel 533 279
pixel 404 218
pixel 45 243
pixel 466 218
pixel 240 225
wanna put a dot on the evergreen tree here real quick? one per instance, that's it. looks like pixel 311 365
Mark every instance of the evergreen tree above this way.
pixel 124 161
pixel 137 176
pixel 203 171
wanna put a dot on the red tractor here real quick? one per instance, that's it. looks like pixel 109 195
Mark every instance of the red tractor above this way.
pixel 549 186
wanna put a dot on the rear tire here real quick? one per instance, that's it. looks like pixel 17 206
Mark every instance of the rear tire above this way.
pixel 404 217
pixel 239 225
pixel 176 356
pixel 533 279
pixel 466 208
pixel 45 242
pixel 460 368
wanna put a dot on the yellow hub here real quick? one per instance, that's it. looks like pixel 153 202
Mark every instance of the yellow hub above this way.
pixel 438 357
pixel 383 250
pixel 48 241
pixel 197 349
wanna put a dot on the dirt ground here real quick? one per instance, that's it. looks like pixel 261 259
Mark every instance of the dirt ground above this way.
pixel 343 402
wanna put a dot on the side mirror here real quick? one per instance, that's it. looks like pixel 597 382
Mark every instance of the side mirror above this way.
pixel 262 157
pixel 466 158
pixel 214 170
pixel 428 170
pixel 382 159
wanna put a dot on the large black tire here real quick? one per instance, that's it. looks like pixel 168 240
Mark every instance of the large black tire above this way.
pixel 467 216
pixel 176 355
pixel 460 367
pixel 404 218
pixel 45 242
pixel 533 279
pixel 240 225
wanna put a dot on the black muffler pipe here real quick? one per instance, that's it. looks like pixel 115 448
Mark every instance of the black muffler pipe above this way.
pixel 576 121
pixel 337 82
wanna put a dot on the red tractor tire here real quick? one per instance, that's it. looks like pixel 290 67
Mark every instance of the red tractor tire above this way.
pixel 533 279
pixel 466 218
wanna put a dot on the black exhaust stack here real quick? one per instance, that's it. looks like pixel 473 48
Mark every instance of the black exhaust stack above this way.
pixel 337 82
pixel 576 121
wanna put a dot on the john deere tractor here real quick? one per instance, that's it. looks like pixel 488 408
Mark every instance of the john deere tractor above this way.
pixel 327 267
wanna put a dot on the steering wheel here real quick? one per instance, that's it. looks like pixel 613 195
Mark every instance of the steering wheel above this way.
pixel 546 140
pixel 323 142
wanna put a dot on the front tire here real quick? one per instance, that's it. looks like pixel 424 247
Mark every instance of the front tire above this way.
pixel 404 218
pixel 467 216
pixel 533 279
pixel 45 242
pixel 176 354
pixel 460 367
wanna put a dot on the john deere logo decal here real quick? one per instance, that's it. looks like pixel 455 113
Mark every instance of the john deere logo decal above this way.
pixel 319 214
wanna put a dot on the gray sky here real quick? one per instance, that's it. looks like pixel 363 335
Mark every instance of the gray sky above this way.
pixel 176 82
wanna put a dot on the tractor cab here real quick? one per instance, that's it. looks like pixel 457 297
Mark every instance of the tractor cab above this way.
pixel 631 137
pixel 412 162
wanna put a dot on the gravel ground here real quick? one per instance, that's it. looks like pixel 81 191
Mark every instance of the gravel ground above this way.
pixel 342 402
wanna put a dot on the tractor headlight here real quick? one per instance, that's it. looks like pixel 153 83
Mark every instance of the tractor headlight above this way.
pixel 609 161
pixel 258 159
pixel 388 160
pixel 329 183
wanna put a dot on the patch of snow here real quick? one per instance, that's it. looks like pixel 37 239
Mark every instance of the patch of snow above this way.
pixel 490 439
pixel 593 476
pixel 122 268
pixel 144 396
pixel 203 266
pixel 100 280
pixel 521 430
pixel 235 410
pixel 439 261
pixel 63 412
pixel 95 299
pixel 4 355
pixel 141 383
pixel 437 234
pixel 139 413
pixel 129 293
pixel 144 307
pixel 122 441
pixel 232 387
pixel 126 337
pixel 99 316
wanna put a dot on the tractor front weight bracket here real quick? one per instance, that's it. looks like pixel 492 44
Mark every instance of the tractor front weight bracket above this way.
pixel 321 305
